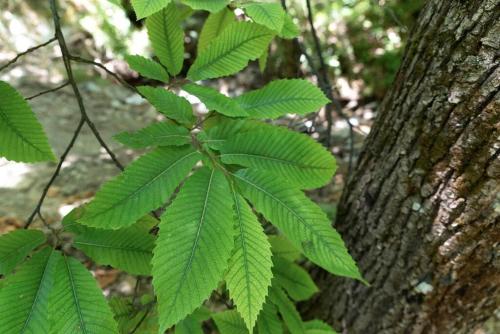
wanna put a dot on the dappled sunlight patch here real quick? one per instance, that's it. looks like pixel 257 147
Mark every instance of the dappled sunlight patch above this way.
pixel 12 173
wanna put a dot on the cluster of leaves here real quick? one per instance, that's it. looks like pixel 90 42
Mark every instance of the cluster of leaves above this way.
pixel 220 175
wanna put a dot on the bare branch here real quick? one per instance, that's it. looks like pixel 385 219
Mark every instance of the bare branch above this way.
pixel 56 173
pixel 67 63
pixel 101 66
pixel 19 55
pixel 83 120
pixel 48 91
pixel 324 82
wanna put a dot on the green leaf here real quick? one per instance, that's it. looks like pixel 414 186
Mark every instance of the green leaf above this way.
pixel 213 27
pixel 144 186
pixel 224 127
pixel 157 134
pixel 300 219
pixel 147 68
pixel 230 322
pixel 194 245
pixel 210 5
pixel 15 246
pixel 192 323
pixel 290 29
pixel 214 100
pixel 77 293
pixel 270 15
pixel 129 316
pixel 169 104
pixel 318 327
pixel 188 325
pixel 287 310
pixel 249 275
pixel 263 60
pixel 268 321
pixel 21 136
pixel 24 297
pixel 231 51
pixel 184 11
pixel 129 249
pixel 280 97
pixel 167 38
pixel 122 308
pixel 295 157
pixel 294 279
pixel 145 8
pixel 282 247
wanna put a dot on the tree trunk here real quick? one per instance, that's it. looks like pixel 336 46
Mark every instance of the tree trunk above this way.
pixel 421 212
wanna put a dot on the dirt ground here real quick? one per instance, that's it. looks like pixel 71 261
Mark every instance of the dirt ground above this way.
pixel 111 107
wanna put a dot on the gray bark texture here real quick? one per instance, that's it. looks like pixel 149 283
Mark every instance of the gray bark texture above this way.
pixel 421 212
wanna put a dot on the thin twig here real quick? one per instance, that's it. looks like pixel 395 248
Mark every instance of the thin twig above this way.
pixel 392 14
pixel 136 289
pixel 322 76
pixel 19 55
pixel 223 299
pixel 56 173
pixel 48 91
pixel 101 66
pixel 51 229
pixel 69 71
pixel 83 120
pixel 323 72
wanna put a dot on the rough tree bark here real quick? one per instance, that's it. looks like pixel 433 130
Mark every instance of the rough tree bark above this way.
pixel 421 212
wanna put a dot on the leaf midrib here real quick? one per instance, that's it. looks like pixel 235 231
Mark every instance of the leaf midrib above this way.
pixel 250 106
pixel 220 25
pixel 195 245
pixel 271 19
pixel 147 184
pixel 243 245
pixel 218 30
pixel 168 40
pixel 283 161
pixel 128 249
pixel 28 319
pixel 145 141
pixel 203 67
pixel 13 128
pixel 75 297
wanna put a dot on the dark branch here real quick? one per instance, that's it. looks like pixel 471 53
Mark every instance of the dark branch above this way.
pixel 49 227
pixel 48 91
pixel 67 64
pixel 19 55
pixel 55 174
pixel 83 120
pixel 101 66
pixel 392 14
pixel 322 76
